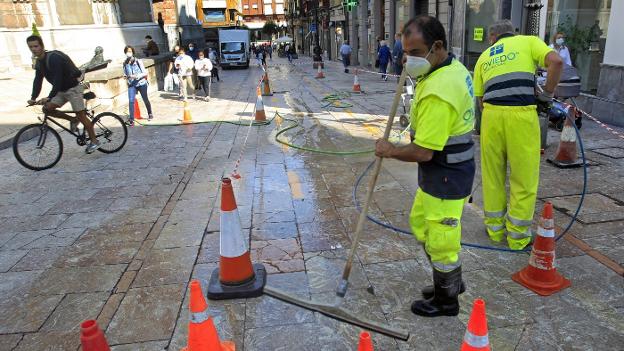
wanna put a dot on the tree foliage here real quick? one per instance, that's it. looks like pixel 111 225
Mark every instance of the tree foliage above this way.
pixel 270 28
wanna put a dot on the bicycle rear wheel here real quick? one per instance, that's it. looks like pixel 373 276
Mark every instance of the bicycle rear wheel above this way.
pixel 111 132
pixel 37 147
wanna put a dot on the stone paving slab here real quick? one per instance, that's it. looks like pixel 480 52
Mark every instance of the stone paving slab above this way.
pixel 146 314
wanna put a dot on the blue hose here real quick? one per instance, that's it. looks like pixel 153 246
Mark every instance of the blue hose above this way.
pixel 477 246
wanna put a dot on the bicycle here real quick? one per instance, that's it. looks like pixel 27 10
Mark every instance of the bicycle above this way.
pixel 39 146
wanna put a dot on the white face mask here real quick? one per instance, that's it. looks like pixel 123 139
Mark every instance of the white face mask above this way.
pixel 417 66
pixel 559 41
pixel 129 54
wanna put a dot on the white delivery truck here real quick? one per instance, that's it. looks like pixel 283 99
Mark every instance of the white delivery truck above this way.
pixel 234 47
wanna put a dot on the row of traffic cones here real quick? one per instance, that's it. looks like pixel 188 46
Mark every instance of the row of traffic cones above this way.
pixel 203 335
pixel 263 89
pixel 237 277
pixel 356 82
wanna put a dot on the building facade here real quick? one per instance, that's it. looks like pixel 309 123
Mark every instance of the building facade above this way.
pixel 598 56
pixel 256 13
pixel 219 13
pixel 78 26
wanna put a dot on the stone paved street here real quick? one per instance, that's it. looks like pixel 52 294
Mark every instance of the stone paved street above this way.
pixel 118 237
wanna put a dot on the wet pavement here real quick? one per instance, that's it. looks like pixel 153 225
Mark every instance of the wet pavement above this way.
pixel 118 237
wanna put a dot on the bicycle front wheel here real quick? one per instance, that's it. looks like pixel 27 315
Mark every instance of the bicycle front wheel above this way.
pixel 37 147
pixel 111 132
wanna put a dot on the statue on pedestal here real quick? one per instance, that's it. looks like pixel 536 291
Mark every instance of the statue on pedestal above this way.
pixel 97 62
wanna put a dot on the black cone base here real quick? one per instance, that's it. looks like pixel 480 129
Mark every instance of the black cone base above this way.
pixel 254 288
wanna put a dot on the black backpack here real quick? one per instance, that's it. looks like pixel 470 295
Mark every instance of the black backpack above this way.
pixel 74 72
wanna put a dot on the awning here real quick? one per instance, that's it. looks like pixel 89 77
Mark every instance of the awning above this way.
pixel 254 25
pixel 284 39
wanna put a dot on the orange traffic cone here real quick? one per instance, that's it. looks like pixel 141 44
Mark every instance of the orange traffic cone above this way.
pixel 202 335
pixel 319 73
pixel 540 275
pixel 566 156
pixel 476 337
pixel 356 83
pixel 137 110
pixel 260 115
pixel 266 87
pixel 236 277
pixel 91 337
pixel 366 343
pixel 187 114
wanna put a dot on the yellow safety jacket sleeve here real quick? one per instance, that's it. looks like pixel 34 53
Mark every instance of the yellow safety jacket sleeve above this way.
pixel 433 122
pixel 539 50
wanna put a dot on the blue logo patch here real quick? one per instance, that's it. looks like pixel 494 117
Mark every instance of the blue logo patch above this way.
pixel 495 50
pixel 470 86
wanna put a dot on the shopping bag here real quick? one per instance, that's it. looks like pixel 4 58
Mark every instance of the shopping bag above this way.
pixel 169 82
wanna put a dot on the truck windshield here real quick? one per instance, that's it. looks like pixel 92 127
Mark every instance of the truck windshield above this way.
pixel 233 48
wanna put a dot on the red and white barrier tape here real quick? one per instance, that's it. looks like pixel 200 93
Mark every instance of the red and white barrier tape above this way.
pixel 613 131
pixel 600 123
pixel 334 62
pixel 235 173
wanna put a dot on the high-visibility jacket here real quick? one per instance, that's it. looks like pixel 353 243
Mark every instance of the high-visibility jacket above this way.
pixel 505 72
pixel 442 117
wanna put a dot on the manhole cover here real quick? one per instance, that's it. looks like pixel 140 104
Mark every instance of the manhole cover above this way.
pixel 613 152
pixel 597 207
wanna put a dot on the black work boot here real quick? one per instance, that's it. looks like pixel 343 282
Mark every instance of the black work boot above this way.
pixel 427 291
pixel 444 301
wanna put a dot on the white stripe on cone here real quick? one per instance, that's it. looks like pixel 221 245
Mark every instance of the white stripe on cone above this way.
pixel 232 244
pixel 259 104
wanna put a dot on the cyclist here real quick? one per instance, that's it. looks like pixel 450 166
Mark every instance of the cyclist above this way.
pixel 60 71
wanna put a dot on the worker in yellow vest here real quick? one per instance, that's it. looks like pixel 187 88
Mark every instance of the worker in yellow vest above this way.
pixel 504 82
pixel 442 117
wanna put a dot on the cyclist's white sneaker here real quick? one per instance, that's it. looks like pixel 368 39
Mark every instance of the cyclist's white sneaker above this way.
pixel 92 147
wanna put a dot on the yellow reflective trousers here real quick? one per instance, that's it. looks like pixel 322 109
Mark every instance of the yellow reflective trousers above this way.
pixel 510 135
pixel 437 223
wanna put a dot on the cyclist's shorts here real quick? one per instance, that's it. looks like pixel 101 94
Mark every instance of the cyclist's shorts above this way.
pixel 71 95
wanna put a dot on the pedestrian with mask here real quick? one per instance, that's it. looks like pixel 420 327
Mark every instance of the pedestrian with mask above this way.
pixel 559 45
pixel 193 52
pixel 136 77
pixel 442 120
pixel 185 66
pixel 204 67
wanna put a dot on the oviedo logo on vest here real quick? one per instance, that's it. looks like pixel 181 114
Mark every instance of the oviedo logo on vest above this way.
pixel 498 49
pixel 499 60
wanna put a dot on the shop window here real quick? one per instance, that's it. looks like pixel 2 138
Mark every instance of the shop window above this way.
pixel 584 24
pixel 74 12
pixel 479 15
pixel 214 15
pixel 268 10
pixel 135 11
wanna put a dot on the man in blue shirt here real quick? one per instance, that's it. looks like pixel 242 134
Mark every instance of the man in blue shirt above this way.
pixel 397 55
pixel 345 52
